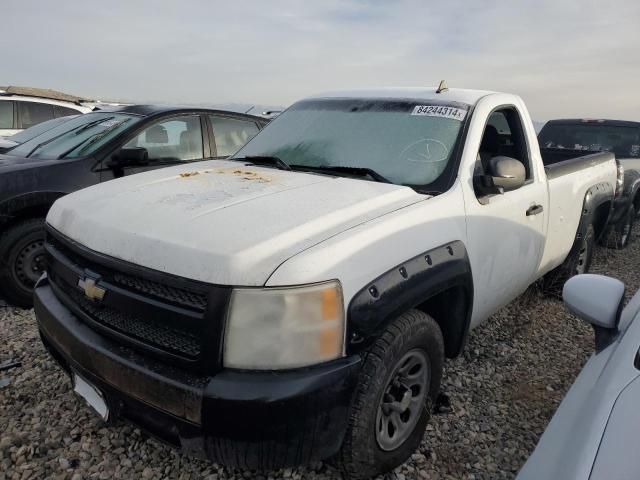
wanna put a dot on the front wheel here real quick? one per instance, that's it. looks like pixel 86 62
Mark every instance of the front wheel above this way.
pixel 22 261
pixel 400 377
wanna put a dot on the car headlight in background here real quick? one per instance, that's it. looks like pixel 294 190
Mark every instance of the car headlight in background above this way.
pixel 277 328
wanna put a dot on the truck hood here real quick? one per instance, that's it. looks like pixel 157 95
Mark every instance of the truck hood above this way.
pixel 220 221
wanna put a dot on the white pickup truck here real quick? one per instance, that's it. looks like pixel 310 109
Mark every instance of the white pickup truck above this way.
pixel 298 300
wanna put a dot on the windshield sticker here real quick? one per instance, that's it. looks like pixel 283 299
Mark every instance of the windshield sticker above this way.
pixel 440 111
pixel 109 123
pixel 635 151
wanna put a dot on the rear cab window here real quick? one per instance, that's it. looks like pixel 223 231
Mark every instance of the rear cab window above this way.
pixel 592 136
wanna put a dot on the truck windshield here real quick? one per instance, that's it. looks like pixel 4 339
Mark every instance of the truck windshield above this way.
pixel 79 136
pixel 407 142
pixel 622 140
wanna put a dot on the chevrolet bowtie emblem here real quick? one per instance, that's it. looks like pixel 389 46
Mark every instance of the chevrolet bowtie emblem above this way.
pixel 91 290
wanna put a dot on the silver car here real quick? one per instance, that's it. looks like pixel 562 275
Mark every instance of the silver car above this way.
pixel 593 434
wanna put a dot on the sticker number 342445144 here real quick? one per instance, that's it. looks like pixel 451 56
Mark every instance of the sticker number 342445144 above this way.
pixel 440 111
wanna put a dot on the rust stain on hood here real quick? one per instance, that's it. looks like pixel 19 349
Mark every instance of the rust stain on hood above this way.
pixel 239 172
pixel 245 174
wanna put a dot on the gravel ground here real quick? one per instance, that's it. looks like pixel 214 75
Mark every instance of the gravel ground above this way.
pixel 503 391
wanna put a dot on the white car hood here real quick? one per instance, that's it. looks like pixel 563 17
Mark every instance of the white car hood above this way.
pixel 220 221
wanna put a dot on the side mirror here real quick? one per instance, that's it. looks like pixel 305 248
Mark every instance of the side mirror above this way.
pixel 507 173
pixel 598 300
pixel 130 157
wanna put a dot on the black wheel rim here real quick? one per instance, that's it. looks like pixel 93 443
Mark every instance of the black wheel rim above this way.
pixel 30 264
pixel 583 256
pixel 403 400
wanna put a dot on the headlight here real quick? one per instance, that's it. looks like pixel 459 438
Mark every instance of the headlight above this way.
pixel 275 328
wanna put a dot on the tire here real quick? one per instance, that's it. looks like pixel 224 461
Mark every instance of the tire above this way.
pixel 577 262
pixel 22 261
pixel 368 448
pixel 619 236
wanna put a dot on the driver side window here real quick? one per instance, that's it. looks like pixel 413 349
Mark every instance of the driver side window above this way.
pixel 174 139
pixel 503 136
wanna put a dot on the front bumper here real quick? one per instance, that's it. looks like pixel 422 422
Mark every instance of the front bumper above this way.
pixel 257 420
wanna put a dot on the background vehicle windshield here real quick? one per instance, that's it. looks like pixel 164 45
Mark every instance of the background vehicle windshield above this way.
pixel 77 137
pixel 624 141
pixel 407 142
pixel 40 128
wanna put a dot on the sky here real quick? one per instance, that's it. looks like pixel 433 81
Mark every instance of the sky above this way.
pixel 566 58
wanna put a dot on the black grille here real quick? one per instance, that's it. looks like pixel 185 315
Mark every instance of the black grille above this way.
pixel 162 315
pixel 164 336
pixel 163 292
pixel 178 296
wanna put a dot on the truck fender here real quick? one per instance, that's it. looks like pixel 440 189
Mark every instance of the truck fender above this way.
pixel 438 282
pixel 29 204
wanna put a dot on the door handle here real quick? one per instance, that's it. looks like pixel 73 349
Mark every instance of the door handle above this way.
pixel 534 210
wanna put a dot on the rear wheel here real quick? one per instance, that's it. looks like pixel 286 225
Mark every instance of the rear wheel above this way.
pixel 22 261
pixel 619 236
pixel 400 378
pixel 577 262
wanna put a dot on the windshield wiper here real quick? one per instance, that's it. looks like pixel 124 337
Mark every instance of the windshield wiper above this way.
pixel 80 127
pixel 264 160
pixel 358 171
pixel 93 139
pixel 91 124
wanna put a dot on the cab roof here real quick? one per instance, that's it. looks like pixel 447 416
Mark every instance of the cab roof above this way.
pixel 598 121
pixel 148 110
pixel 462 95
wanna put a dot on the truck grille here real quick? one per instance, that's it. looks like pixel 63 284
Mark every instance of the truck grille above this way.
pixel 163 292
pixel 162 336
pixel 158 313
pixel 178 296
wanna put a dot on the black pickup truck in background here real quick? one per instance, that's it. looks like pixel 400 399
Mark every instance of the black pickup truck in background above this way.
pixel 90 149
pixel 569 138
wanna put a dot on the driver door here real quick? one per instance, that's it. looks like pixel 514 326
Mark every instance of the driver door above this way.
pixel 506 232
pixel 169 141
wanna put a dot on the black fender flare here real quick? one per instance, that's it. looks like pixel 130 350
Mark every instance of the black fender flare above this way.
pixel 631 185
pixel 412 284
pixel 14 206
pixel 592 211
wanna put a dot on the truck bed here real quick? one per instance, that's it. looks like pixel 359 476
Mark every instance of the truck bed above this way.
pixel 559 162
pixel 570 183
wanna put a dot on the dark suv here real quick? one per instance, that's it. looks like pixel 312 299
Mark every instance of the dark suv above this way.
pixel 93 148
